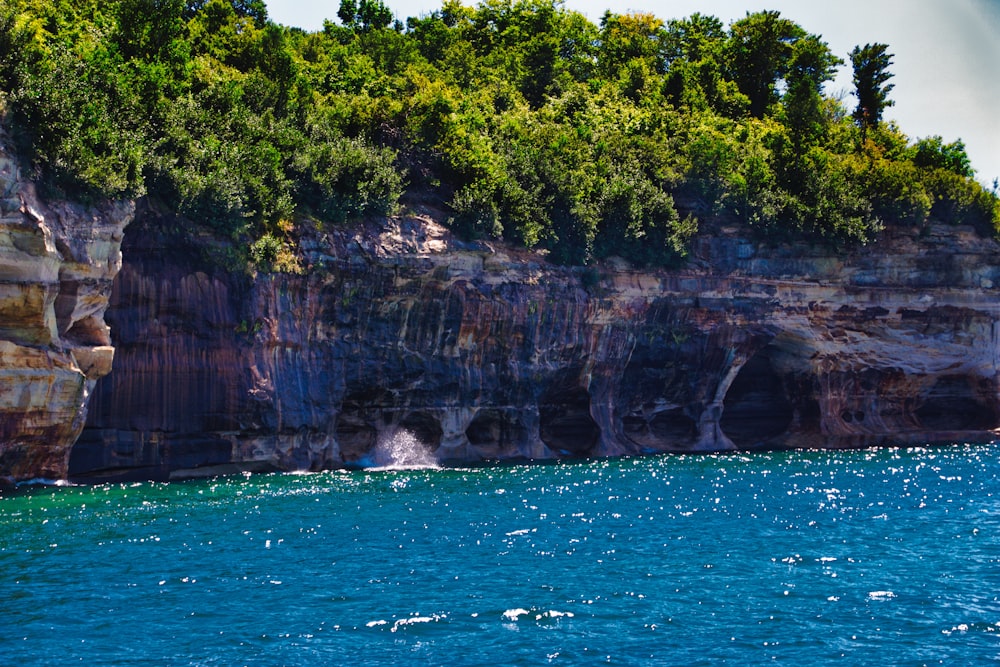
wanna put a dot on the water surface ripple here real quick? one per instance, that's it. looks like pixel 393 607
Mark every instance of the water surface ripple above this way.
pixel 879 556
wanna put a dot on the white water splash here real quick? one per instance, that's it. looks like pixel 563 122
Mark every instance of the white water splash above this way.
pixel 881 595
pixel 403 622
pixel 401 450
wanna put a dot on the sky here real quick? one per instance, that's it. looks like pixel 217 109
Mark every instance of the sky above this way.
pixel 946 68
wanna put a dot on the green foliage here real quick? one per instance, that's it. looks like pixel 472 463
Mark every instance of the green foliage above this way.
pixel 150 29
pixel 694 49
pixel 264 251
pixel 761 48
pixel 750 187
pixel 520 118
pixel 933 153
pixel 345 178
pixel 83 119
pixel 828 202
pixel 811 66
pixel 365 15
pixel 962 201
pixel 630 41
pixel 895 189
pixel 871 74
pixel 220 162
pixel 270 253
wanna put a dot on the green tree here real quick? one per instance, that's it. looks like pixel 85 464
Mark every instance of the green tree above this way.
pixel 812 65
pixel 81 114
pixel 219 31
pixel 365 15
pixel 630 41
pixel 432 35
pixel 348 12
pixel 871 74
pixel 15 48
pixel 148 28
pixel 253 9
pixel 540 51
pixel 761 48
pixel 374 15
pixel 694 38
pixel 933 153
pixel 693 49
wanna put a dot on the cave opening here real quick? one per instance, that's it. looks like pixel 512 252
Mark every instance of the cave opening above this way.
pixel 956 403
pixel 488 428
pixel 673 426
pixel 564 421
pixel 496 432
pixel 756 407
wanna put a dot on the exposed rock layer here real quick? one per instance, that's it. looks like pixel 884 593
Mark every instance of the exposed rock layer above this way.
pixel 483 353
pixel 57 263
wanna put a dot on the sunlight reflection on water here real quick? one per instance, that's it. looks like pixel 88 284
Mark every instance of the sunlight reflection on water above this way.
pixel 801 557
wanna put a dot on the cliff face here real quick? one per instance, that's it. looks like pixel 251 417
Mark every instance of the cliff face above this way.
pixel 403 334
pixel 57 264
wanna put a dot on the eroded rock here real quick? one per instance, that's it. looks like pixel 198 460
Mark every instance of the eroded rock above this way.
pixel 57 263
pixel 482 352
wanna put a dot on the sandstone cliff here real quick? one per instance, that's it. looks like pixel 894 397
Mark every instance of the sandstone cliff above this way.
pixel 57 263
pixel 484 353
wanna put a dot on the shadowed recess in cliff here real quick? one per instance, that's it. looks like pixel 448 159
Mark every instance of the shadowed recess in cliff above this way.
pixel 565 422
pixel 673 426
pixel 756 407
pixel 497 433
pixel 667 429
pixel 957 403
pixel 108 455
pixel 356 432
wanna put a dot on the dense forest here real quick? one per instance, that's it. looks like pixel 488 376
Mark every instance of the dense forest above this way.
pixel 516 119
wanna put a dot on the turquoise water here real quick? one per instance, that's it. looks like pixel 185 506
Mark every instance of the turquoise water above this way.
pixel 861 557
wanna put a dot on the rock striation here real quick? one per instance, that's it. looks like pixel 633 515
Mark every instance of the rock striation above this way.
pixel 482 352
pixel 57 263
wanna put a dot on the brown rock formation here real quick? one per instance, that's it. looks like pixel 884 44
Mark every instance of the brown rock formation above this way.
pixel 57 263
pixel 485 353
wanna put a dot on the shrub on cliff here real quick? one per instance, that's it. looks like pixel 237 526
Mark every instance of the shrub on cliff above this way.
pixel 345 178
pixel 271 253
pixel 962 201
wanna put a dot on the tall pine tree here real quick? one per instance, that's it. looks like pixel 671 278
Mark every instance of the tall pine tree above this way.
pixel 871 72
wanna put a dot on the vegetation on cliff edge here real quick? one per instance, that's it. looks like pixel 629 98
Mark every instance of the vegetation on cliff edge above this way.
pixel 519 119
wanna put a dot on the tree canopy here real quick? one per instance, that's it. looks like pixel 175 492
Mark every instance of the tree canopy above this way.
pixel 517 119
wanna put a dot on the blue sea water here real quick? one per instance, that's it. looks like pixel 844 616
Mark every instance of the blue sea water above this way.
pixel 888 556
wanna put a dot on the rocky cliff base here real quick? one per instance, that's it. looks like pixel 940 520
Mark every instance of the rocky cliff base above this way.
pixel 399 332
